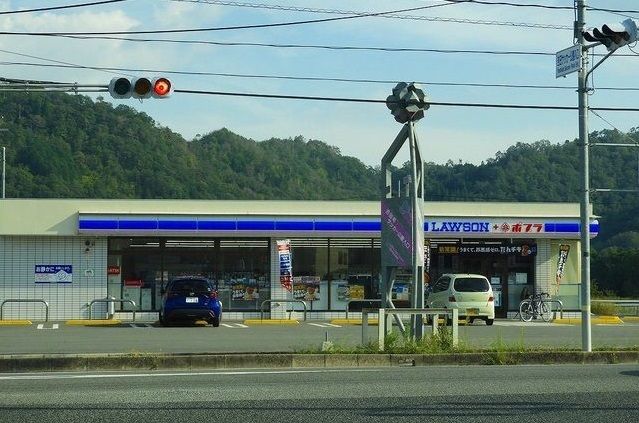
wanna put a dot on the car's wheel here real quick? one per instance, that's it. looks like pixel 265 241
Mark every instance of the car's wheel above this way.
pixel 489 322
pixel 215 321
pixel 162 319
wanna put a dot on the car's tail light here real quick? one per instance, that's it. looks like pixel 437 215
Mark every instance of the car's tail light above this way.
pixel 452 299
pixel 491 298
pixel 213 295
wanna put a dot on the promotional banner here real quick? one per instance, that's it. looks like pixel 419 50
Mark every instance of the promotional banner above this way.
pixel 244 290
pixel 426 262
pixel 306 288
pixel 397 239
pixel 286 264
pixel 522 250
pixel 564 249
pixel 53 273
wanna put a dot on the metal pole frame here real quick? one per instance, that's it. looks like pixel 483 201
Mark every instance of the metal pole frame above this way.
pixel 416 192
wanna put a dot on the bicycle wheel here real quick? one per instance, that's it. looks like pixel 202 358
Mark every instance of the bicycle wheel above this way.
pixel 525 310
pixel 545 311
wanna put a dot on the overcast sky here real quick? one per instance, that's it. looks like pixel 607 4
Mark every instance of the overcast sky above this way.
pixel 361 130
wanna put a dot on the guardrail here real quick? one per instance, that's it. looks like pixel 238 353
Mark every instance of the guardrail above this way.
pixel 24 300
pixel 282 301
pixel 363 300
pixel 111 300
pixel 383 330
pixel 621 303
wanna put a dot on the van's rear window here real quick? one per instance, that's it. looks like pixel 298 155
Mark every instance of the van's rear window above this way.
pixel 471 285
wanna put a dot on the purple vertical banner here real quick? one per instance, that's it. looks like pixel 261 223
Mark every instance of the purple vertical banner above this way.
pixel 397 239
pixel 286 264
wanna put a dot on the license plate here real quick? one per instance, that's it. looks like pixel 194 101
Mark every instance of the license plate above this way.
pixel 472 311
pixel 191 299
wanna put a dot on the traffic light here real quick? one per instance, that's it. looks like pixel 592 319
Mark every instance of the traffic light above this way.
pixel 615 35
pixel 140 88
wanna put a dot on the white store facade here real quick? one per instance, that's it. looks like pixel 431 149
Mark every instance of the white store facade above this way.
pixel 69 252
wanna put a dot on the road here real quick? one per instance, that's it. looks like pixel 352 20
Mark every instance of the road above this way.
pixel 144 337
pixel 556 393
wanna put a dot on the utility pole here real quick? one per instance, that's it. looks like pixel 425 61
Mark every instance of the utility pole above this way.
pixel 4 164
pixel 586 342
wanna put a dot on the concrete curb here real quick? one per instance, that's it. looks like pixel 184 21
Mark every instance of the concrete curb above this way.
pixel 143 361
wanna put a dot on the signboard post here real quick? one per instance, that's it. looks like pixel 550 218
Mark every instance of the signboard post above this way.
pixel 568 61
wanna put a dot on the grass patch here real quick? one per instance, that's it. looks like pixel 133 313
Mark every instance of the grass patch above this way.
pixel 604 309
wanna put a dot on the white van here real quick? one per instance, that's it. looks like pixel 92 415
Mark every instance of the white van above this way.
pixel 471 294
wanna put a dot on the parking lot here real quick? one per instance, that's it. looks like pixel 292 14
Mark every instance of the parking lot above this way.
pixel 236 336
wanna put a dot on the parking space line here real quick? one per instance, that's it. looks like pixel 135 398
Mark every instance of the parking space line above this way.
pixel 234 325
pixel 53 326
pixel 325 325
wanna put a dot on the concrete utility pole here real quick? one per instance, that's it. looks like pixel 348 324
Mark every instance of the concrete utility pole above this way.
pixel 586 341
pixel 4 164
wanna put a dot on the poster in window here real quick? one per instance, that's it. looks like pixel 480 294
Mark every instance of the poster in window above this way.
pixel 306 288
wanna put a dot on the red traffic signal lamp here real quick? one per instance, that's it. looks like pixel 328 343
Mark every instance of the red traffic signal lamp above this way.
pixel 140 88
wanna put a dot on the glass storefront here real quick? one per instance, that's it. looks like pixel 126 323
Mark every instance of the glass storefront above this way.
pixel 141 267
pixel 327 272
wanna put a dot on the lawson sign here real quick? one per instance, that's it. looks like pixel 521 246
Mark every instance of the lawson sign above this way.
pixel 505 228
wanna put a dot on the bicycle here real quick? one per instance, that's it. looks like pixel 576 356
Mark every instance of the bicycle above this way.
pixel 535 306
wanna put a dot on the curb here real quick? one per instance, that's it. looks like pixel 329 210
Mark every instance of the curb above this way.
pixel 96 322
pixel 600 320
pixel 268 322
pixel 142 361
pixel 15 322
pixel 353 322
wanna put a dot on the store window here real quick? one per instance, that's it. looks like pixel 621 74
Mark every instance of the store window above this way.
pixel 140 267
pixel 310 272
pixel 242 270
pixel 353 272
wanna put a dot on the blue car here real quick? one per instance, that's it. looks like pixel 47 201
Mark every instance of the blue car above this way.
pixel 190 298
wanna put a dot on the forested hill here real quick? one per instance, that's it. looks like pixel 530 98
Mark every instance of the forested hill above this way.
pixel 69 146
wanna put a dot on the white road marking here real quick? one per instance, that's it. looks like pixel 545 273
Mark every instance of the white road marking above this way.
pixel 53 326
pixel 234 325
pixel 220 373
pixel 325 325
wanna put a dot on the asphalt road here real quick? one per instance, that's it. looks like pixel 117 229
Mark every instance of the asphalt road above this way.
pixel 557 393
pixel 236 338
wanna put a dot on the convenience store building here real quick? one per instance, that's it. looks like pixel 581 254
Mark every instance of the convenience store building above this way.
pixel 71 251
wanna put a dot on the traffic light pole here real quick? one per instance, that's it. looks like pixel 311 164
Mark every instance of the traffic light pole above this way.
pixel 586 334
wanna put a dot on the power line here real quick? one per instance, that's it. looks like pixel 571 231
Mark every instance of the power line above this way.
pixel 539 6
pixel 313 46
pixel 224 28
pixel 70 6
pixel 432 103
pixel 302 78
pixel 389 16
pixel 504 3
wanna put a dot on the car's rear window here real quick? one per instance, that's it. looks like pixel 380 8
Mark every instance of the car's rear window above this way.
pixel 197 286
pixel 471 285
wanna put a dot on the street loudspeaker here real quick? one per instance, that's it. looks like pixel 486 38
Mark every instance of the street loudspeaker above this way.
pixel 140 88
pixel 614 36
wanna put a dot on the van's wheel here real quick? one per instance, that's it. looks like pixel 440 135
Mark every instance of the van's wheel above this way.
pixel 489 322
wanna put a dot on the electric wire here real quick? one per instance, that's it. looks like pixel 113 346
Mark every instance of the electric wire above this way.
pixel 223 28
pixel 132 71
pixel 389 16
pixel 64 7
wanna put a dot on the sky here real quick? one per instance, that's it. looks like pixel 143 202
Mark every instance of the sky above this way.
pixel 361 130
